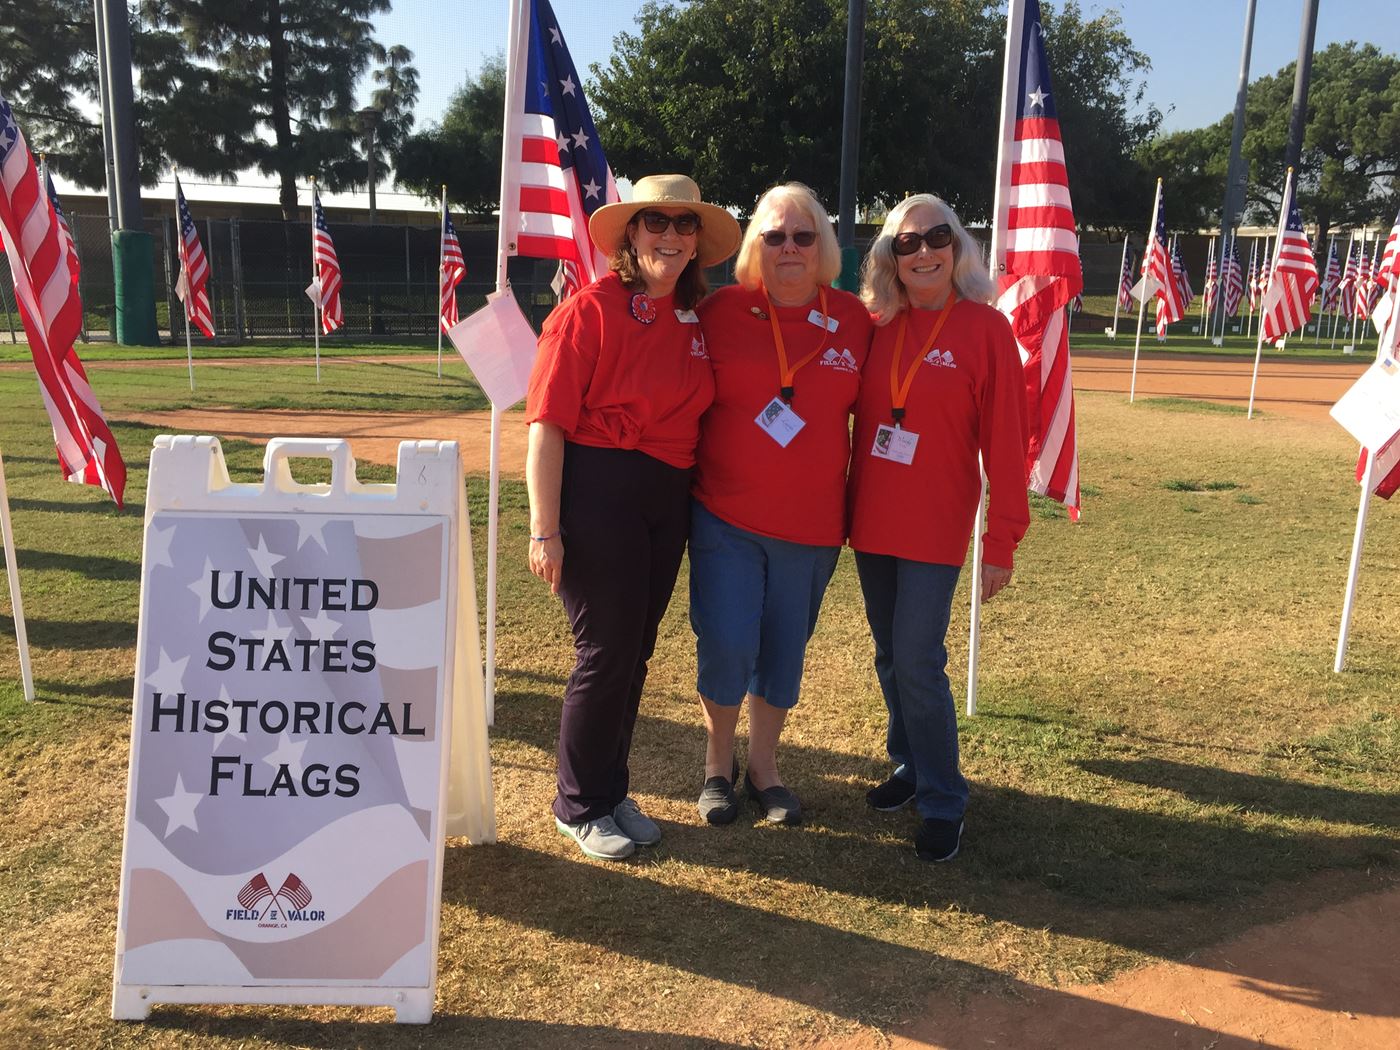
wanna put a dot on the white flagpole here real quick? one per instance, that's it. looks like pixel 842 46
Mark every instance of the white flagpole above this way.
pixel 1142 302
pixel 26 673
pixel 1268 286
pixel 1357 542
pixel 1118 292
pixel 1321 312
pixel 442 264
pixel 185 273
pixel 1337 306
pixel 1249 284
pixel 316 273
pixel 1210 258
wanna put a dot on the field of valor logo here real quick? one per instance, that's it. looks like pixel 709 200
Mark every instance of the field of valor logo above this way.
pixel 845 361
pixel 290 903
pixel 697 347
pixel 944 359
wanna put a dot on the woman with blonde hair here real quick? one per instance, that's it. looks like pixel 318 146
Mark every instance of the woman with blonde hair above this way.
pixel 942 389
pixel 769 516
pixel 620 382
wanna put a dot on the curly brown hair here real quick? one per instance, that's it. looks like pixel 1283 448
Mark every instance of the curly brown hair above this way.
pixel 690 286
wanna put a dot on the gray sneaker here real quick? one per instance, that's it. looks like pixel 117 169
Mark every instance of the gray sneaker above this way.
pixel 635 824
pixel 600 839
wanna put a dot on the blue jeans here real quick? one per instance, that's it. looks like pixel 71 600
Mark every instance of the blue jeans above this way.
pixel 908 604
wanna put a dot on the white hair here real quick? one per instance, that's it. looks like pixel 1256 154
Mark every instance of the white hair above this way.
pixel 880 287
pixel 746 267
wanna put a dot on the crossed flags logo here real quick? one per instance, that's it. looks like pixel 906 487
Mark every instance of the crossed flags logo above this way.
pixel 844 361
pixel 294 894
pixel 943 359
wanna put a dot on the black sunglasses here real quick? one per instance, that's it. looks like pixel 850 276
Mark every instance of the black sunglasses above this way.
pixel 778 238
pixel 657 221
pixel 908 243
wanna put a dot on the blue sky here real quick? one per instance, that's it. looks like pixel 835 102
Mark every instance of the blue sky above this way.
pixel 1194 44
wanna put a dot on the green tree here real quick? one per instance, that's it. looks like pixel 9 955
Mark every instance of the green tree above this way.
pixel 463 150
pixel 1192 167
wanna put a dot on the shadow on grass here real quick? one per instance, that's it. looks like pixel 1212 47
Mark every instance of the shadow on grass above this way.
pixel 93 566
pixel 118 688
pixel 74 634
pixel 1250 791
pixel 104 507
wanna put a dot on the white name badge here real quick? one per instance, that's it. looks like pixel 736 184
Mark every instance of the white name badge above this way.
pixel 687 317
pixel 816 318
pixel 894 444
pixel 779 421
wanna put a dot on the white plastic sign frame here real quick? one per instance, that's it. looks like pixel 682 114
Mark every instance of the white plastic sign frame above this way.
pixel 308 726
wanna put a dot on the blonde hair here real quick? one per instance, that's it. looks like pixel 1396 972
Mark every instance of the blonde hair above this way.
pixel 880 287
pixel 747 270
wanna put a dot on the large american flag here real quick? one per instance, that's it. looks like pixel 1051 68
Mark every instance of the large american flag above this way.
pixel 326 267
pixel 1331 278
pixel 1183 279
pixel 1157 269
pixel 560 176
pixel 1292 285
pixel 1387 282
pixel 1125 281
pixel 1039 270
pixel 193 285
pixel 452 270
pixel 45 273
pixel 1233 280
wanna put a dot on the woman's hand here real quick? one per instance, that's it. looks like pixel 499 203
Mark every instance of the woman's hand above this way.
pixel 547 560
pixel 994 578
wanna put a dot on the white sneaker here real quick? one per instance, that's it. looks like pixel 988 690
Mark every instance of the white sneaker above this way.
pixel 600 839
pixel 635 824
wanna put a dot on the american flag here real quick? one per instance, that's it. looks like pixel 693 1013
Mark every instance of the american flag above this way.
pixel 1387 281
pixel 1361 289
pixel 1233 280
pixel 1292 286
pixel 45 273
pixel 1039 270
pixel 453 269
pixel 1346 287
pixel 63 227
pixel 1212 281
pixel 1125 282
pixel 294 892
pixel 560 177
pixel 1331 278
pixel 326 267
pixel 1251 279
pixel 1157 269
pixel 193 285
pixel 1183 280
pixel 255 890
pixel 1261 279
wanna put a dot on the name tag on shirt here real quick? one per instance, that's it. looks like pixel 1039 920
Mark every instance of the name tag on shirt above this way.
pixel 815 317
pixel 779 421
pixel 687 317
pixel 894 444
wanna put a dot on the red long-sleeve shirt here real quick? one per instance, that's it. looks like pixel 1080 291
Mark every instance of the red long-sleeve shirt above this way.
pixel 967 396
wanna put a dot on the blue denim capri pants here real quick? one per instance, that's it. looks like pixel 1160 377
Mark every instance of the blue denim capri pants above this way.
pixel 754 602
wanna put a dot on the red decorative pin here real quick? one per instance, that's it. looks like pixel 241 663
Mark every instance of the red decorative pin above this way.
pixel 643 309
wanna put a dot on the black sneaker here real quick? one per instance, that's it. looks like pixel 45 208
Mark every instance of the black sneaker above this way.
pixel 779 804
pixel 718 804
pixel 938 840
pixel 893 794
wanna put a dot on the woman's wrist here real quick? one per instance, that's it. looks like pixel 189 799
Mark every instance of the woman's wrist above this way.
pixel 544 537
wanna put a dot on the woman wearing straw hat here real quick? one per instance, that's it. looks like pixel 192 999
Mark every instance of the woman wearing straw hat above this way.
pixel 770 486
pixel 927 411
pixel 618 388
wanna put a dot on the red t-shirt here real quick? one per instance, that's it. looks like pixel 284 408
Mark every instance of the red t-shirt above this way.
pixel 610 381
pixel 968 396
pixel 742 475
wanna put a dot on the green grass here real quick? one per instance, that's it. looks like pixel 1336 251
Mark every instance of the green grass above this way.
pixel 1162 757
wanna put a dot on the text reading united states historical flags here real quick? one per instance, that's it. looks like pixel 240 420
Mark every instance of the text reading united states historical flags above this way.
pixel 1041 271
pixel 1289 293
pixel 193 285
pixel 454 268
pixel 561 172
pixel 326 267
pixel 45 273
pixel 1158 269
pixel 1234 281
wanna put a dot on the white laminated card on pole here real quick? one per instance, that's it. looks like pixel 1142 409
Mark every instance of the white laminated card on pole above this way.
pixel 308 725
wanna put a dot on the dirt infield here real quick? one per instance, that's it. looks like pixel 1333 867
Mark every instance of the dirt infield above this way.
pixel 1300 387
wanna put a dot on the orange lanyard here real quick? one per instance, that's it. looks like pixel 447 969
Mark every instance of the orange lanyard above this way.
pixel 899 392
pixel 784 371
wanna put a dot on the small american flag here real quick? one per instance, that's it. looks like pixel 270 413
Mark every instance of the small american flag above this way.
pixel 1125 281
pixel 45 272
pixel 1157 269
pixel 1183 280
pixel 1233 281
pixel 1361 290
pixel 559 176
pixel 1331 278
pixel 326 267
pixel 1292 285
pixel 255 890
pixel 1212 281
pixel 453 269
pixel 193 285
pixel 1039 269
pixel 1346 287
pixel 294 892
pixel 1261 279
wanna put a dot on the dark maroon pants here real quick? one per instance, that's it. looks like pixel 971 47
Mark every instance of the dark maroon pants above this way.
pixel 625 517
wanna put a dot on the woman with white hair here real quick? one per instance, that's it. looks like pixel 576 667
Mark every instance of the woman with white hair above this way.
pixel 769 492
pixel 942 387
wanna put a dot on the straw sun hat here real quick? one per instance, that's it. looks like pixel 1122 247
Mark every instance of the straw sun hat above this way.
pixel 719 231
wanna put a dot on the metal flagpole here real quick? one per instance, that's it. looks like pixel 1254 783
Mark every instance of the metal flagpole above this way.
pixel 26 673
pixel 184 278
pixel 1210 258
pixel 442 262
pixel 1278 247
pixel 1118 292
pixel 1321 312
pixel 1142 302
pixel 319 305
